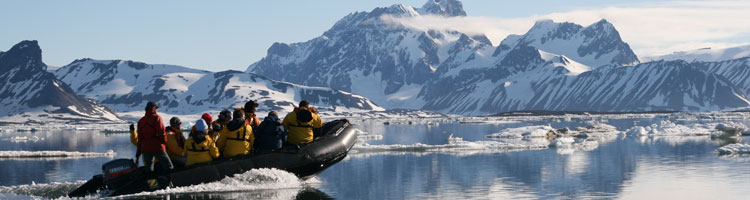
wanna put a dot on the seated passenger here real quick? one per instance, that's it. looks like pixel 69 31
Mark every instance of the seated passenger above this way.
pixel 237 138
pixel 299 124
pixel 199 148
pixel 206 118
pixel 175 142
pixel 216 126
pixel 250 117
pixel 271 134
pixel 249 110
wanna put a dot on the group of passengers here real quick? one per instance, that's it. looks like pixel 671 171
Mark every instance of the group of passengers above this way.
pixel 232 134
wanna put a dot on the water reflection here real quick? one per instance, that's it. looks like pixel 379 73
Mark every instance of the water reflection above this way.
pixel 619 167
pixel 44 170
pixel 604 172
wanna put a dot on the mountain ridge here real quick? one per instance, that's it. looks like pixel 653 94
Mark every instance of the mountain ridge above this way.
pixel 27 88
pixel 448 71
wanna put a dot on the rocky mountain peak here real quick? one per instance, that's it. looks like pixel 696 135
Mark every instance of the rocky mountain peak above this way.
pixel 594 45
pixel 25 54
pixel 28 86
pixel 448 8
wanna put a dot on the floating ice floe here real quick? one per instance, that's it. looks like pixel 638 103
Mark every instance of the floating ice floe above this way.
pixel 737 148
pixel 23 139
pixel 70 127
pixel 54 154
pixel 255 179
pixel 728 129
pixel 523 132
pixel 567 145
pixel 364 136
pixel 668 128
pixel 562 142
pixel 452 139
pixel 486 120
pixel 597 130
pixel 456 145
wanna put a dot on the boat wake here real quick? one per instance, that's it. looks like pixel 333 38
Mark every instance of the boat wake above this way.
pixel 253 180
pixel 260 183
pixel 46 190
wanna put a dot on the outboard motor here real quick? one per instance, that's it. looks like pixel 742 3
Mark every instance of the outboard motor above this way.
pixel 116 168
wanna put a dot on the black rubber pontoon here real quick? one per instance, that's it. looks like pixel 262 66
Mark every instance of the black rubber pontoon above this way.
pixel 305 161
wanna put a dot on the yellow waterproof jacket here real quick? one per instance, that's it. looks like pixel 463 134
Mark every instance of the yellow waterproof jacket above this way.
pixel 202 152
pixel 134 140
pixel 134 137
pixel 175 142
pixel 299 132
pixel 215 133
pixel 236 139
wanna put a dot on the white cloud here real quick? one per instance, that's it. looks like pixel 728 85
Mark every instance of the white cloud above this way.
pixel 654 28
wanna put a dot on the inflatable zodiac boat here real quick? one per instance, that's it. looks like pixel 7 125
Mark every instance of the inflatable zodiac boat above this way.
pixel 121 176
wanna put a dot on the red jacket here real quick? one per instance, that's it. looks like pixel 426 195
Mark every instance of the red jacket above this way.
pixel 151 135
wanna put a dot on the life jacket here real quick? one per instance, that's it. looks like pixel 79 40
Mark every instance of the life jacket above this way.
pixel 236 139
pixel 178 135
pixel 175 142
pixel 300 125
pixel 240 132
pixel 199 149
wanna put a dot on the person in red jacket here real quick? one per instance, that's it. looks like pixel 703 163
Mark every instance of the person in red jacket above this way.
pixel 152 138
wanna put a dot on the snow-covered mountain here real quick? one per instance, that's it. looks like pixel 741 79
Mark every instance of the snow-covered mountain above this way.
pixel 126 86
pixel 531 79
pixel 737 71
pixel 594 45
pixel 706 54
pixel 554 66
pixel 366 55
pixel 28 93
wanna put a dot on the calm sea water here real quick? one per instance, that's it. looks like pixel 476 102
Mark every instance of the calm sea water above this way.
pixel 684 167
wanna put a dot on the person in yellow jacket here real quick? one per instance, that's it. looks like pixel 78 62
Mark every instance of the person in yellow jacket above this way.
pixel 200 148
pixel 237 138
pixel 225 116
pixel 175 143
pixel 300 123
pixel 134 139
pixel 133 135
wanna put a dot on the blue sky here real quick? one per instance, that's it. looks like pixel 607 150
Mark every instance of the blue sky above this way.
pixel 221 35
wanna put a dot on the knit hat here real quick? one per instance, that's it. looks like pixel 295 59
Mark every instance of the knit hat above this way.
pixel 206 117
pixel 201 125
pixel 151 105
pixel 175 122
pixel 225 115
pixel 250 106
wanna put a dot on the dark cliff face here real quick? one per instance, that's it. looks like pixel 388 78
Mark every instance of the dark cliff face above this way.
pixel 27 84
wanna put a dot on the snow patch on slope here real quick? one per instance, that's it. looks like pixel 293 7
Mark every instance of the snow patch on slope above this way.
pixel 705 54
